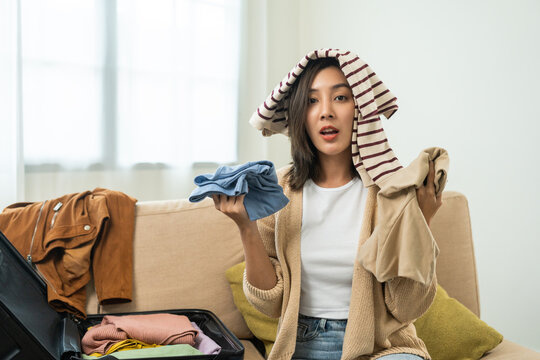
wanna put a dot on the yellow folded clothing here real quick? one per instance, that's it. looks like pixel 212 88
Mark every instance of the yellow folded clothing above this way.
pixel 129 344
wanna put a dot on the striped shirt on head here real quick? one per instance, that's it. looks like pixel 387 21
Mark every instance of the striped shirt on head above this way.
pixel 371 154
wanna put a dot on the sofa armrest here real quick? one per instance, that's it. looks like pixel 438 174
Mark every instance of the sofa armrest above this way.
pixel 508 350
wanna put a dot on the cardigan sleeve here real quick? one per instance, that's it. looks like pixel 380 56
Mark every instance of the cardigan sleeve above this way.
pixel 269 301
pixel 407 299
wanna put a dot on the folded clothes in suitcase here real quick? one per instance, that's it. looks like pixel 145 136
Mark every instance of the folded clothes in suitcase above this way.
pixel 31 330
pixel 209 323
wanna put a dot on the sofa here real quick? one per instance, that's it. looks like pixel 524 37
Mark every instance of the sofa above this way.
pixel 182 251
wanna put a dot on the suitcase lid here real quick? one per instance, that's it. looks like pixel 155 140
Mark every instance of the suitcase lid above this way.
pixel 30 329
pixel 29 326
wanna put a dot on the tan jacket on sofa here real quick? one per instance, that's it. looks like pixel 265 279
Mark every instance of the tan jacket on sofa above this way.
pixel 67 236
pixel 182 250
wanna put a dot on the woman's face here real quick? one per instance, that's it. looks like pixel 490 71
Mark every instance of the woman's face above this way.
pixel 330 113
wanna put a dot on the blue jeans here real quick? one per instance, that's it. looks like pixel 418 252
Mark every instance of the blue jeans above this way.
pixel 319 339
pixel 322 339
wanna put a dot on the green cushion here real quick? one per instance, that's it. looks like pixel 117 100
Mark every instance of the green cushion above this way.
pixel 449 330
pixel 453 332
pixel 263 327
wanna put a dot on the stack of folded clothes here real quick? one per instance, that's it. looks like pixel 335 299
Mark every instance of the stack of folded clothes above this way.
pixel 146 336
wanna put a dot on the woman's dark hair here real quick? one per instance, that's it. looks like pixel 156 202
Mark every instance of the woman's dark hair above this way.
pixel 305 164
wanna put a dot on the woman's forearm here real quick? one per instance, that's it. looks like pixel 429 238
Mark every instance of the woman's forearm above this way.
pixel 259 270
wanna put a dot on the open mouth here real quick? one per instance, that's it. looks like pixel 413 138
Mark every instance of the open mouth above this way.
pixel 329 132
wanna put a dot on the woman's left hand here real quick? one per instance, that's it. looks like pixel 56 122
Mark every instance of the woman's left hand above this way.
pixel 428 201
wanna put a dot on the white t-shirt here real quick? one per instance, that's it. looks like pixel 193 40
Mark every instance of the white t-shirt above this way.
pixel 331 222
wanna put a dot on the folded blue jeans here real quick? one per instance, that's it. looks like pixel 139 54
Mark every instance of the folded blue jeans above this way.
pixel 257 180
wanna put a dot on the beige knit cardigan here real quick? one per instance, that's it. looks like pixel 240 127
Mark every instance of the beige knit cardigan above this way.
pixel 381 315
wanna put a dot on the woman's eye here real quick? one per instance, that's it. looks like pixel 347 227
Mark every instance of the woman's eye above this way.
pixel 341 98
pixel 312 100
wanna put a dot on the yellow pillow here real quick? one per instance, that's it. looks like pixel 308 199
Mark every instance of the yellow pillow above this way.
pixel 453 332
pixel 263 327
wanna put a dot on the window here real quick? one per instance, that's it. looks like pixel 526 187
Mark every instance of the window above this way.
pixel 123 82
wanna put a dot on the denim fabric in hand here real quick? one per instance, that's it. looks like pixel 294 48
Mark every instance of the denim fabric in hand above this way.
pixel 257 179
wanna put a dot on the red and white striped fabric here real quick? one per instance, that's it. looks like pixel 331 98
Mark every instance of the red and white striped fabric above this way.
pixel 371 152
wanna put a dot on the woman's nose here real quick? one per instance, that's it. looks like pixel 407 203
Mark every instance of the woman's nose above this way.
pixel 327 110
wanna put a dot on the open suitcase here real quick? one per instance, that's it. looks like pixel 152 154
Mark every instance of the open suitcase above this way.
pixel 31 330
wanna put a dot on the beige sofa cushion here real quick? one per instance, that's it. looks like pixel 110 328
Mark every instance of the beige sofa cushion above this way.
pixel 456 268
pixel 181 252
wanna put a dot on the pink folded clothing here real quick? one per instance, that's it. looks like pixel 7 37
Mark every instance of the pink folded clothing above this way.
pixel 161 329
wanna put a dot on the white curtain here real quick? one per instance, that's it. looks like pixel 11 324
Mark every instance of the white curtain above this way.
pixel 11 170
pixel 134 95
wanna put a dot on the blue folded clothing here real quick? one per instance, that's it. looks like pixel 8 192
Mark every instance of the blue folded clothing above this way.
pixel 257 179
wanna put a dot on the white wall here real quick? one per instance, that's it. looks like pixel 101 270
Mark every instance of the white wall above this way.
pixel 272 36
pixel 467 75
pixel 11 169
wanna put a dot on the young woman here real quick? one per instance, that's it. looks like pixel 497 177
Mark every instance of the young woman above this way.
pixel 339 310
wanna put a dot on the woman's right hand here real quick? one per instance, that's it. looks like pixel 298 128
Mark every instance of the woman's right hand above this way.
pixel 233 207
